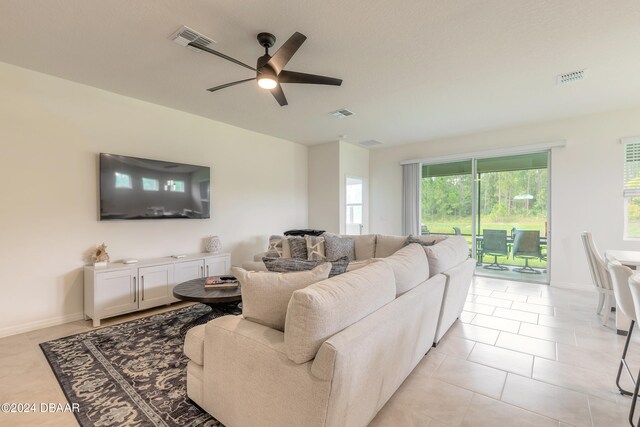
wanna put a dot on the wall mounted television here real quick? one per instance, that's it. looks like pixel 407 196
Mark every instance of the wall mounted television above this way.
pixel 135 188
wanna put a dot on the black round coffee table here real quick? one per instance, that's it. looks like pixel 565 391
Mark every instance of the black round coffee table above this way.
pixel 193 290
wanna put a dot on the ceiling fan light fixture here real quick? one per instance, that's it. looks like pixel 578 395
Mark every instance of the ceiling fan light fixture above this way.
pixel 267 83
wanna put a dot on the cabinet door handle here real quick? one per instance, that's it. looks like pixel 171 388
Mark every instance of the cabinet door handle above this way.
pixel 201 271
pixel 142 285
pixel 135 289
pixel 207 270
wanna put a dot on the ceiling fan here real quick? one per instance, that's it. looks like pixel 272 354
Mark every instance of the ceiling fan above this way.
pixel 269 69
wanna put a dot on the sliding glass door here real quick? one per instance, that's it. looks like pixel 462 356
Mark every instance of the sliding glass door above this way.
pixel 500 204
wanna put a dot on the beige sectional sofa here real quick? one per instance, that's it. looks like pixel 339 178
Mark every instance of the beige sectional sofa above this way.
pixel 348 342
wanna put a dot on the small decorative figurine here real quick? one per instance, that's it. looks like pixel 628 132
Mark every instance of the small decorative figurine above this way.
pixel 100 257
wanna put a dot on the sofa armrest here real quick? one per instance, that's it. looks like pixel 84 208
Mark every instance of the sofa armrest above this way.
pixel 249 380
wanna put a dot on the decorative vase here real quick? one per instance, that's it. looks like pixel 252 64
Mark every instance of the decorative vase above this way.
pixel 213 244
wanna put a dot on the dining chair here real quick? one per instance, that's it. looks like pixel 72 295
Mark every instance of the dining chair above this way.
pixel 600 277
pixel 620 279
pixel 634 288
pixel 526 245
pixel 494 243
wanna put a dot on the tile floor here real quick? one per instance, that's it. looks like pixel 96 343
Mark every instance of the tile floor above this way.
pixel 521 355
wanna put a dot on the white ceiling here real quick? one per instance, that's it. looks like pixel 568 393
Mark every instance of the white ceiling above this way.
pixel 413 70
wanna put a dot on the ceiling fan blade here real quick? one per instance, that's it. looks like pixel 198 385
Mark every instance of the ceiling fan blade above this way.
pixel 295 77
pixel 278 94
pixel 286 51
pixel 221 55
pixel 213 89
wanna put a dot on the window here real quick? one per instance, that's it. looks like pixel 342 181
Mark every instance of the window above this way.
pixel 354 192
pixel 150 184
pixel 174 186
pixel 123 180
pixel 631 190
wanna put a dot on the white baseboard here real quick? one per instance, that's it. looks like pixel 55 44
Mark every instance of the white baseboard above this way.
pixel 39 324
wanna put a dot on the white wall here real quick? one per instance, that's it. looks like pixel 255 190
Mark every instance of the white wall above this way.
pixel 586 182
pixel 51 131
pixel 324 187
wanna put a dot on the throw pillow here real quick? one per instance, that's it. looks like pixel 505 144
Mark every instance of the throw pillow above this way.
pixel 285 265
pixel 337 247
pixel 315 248
pixel 265 295
pixel 297 247
pixel 275 247
pixel 413 239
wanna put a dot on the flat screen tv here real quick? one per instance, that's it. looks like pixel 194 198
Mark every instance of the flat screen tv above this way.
pixel 134 188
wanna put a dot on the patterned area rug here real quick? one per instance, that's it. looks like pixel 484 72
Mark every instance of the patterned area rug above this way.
pixel 131 374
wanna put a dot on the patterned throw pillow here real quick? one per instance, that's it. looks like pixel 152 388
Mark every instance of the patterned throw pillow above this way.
pixel 275 247
pixel 413 239
pixel 337 247
pixel 297 247
pixel 315 248
pixel 286 265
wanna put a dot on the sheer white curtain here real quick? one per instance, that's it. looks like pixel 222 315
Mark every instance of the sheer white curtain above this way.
pixel 411 189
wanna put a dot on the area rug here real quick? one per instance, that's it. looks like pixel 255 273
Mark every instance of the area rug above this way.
pixel 131 374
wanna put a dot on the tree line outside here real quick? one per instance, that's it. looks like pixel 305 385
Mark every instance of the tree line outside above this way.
pixel 506 200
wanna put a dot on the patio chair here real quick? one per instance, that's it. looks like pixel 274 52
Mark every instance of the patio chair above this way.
pixel 494 243
pixel 600 277
pixel 526 245
pixel 457 231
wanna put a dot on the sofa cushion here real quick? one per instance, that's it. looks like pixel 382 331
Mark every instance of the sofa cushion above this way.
pixel 323 309
pixel 446 254
pixel 315 248
pixel 288 265
pixel 275 246
pixel 388 245
pixel 265 295
pixel 354 265
pixel 365 246
pixel 410 267
pixel 194 344
pixel 297 247
pixel 337 246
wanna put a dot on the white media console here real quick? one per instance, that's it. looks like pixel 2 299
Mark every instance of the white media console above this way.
pixel 124 288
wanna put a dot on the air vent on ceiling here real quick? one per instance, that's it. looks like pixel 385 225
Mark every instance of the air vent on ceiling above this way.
pixel 571 77
pixel 186 35
pixel 371 143
pixel 342 113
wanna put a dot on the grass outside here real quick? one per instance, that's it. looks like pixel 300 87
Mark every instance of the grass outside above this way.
pixel 446 227
pixel 633 229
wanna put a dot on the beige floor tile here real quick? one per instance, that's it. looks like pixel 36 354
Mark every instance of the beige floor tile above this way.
pixel 429 364
pixel 533 308
pixel 566 336
pixel 496 323
pixel 497 302
pixel 534 346
pixel 474 307
pixel 474 290
pixel 55 332
pixel 595 383
pixel 435 399
pixel 455 346
pixel 471 376
pixel 558 322
pixel 509 296
pixel 490 284
pixel 507 360
pixel 551 302
pixel 521 316
pixel 606 414
pixel 13 345
pixel 467 316
pixel 598 340
pixel 525 292
pixel 475 333
pixel 603 361
pixel 488 412
pixel 549 400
